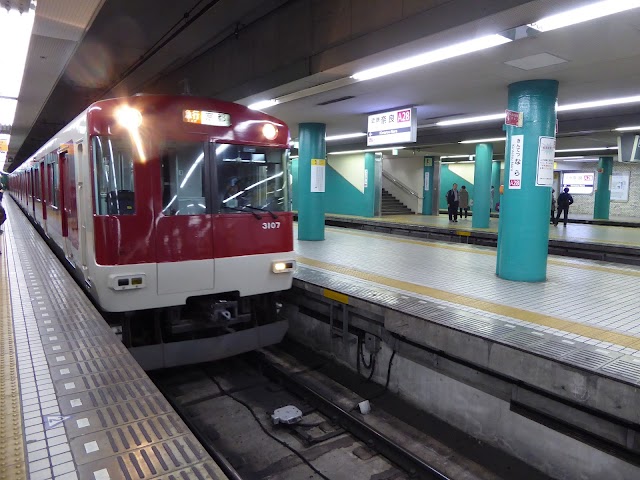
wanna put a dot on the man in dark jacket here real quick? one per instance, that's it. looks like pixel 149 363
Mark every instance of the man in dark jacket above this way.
pixel 564 200
pixel 453 201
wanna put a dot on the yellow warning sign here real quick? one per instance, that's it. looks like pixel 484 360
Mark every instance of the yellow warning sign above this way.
pixel 4 145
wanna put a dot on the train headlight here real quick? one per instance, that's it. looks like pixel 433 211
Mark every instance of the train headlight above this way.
pixel 283 267
pixel 129 118
pixel 269 131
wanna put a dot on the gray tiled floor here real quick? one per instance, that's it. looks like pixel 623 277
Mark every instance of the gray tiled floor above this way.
pixel 592 293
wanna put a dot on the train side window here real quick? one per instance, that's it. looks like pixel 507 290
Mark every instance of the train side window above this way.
pixel 183 179
pixel 114 186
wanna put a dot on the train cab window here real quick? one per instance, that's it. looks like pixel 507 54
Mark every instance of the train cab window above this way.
pixel 114 187
pixel 183 179
pixel 251 178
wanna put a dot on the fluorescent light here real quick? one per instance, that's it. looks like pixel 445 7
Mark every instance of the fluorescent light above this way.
pixel 263 104
pixel 7 109
pixel 15 31
pixel 625 129
pixel 345 135
pixel 481 118
pixel 571 157
pixel 585 149
pixel 366 150
pixel 457 156
pixel 599 103
pixel 584 14
pixel 433 56
pixel 485 140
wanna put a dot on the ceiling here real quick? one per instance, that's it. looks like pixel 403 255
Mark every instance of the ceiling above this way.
pixel 84 50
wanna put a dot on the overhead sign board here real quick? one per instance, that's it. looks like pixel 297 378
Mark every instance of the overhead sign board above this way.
pixel 513 118
pixel 396 126
pixel 580 183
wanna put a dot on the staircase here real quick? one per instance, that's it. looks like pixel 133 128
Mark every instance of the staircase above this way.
pixel 392 206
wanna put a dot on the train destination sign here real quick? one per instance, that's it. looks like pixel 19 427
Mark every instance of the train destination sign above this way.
pixel 397 126
pixel 204 117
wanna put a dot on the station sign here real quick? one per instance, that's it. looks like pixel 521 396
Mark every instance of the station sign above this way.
pixel 205 117
pixel 515 162
pixel 513 118
pixel 580 183
pixel 396 126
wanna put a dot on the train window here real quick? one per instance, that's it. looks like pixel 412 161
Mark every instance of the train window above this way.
pixel 183 179
pixel 114 182
pixel 251 178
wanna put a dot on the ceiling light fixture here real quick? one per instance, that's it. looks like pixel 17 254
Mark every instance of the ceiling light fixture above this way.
pixel 433 56
pixel 456 156
pixel 626 129
pixel 599 103
pixel 366 150
pixel 462 121
pixel 345 135
pixel 264 104
pixel 584 14
pixel 585 149
pixel 485 140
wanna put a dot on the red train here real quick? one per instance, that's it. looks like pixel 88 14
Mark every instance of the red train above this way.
pixel 174 211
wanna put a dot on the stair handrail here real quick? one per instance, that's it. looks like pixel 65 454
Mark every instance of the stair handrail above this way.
pixel 400 185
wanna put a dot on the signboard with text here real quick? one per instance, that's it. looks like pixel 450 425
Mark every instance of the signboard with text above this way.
pixel 515 162
pixel 513 118
pixel 546 157
pixel 397 126
pixel 579 183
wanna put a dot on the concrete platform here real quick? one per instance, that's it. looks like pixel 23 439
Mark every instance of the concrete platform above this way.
pixel 581 240
pixel 562 354
pixel 75 404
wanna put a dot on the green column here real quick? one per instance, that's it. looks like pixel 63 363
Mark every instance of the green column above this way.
pixel 482 186
pixel 311 181
pixel 523 231
pixel 603 193
pixel 495 183
pixel 427 189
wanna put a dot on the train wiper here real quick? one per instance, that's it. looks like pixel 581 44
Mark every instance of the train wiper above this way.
pixel 273 215
pixel 241 210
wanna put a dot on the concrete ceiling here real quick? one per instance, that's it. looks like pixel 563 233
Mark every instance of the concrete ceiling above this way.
pixel 122 47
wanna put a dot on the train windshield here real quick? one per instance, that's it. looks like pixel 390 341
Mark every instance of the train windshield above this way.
pixel 251 178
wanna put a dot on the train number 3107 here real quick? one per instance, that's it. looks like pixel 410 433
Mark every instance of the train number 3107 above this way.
pixel 270 225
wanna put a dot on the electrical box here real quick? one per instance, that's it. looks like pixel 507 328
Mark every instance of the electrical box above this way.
pixel 372 343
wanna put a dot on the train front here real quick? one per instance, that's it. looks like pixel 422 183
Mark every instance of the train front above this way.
pixel 191 212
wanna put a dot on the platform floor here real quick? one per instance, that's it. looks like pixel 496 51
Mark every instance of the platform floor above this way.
pixel 75 405
pixel 573 232
pixel 585 313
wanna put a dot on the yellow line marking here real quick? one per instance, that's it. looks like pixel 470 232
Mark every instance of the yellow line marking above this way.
pixel 504 310
pixel 463 233
pixel 424 243
pixel 337 296
pixel 12 463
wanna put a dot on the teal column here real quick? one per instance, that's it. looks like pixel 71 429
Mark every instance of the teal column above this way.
pixel 312 165
pixel 603 193
pixel 427 189
pixel 523 231
pixel 495 183
pixel 482 186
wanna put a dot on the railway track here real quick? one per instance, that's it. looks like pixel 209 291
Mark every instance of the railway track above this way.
pixel 229 404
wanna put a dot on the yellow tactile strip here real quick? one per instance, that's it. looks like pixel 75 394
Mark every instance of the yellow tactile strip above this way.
pixel 12 461
pixel 511 312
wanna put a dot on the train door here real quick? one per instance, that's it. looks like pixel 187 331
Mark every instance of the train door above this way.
pixel 43 195
pixel 69 205
pixel 80 207
pixel 184 239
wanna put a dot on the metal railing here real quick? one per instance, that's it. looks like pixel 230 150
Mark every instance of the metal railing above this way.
pixel 400 185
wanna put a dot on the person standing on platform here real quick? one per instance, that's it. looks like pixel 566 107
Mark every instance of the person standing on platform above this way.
pixel 553 205
pixel 464 201
pixel 453 201
pixel 564 201
pixel 493 193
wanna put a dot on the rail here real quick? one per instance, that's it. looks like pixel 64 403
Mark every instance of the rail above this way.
pixel 400 185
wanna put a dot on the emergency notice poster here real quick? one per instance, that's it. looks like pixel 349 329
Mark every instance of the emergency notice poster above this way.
pixel 515 162
pixel 546 157
pixel 317 174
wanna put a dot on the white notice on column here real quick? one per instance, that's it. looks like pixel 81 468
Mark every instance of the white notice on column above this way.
pixel 515 162
pixel 366 178
pixel 317 174
pixel 426 181
pixel 546 156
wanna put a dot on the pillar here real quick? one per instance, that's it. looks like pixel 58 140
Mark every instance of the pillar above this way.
pixel 482 186
pixel 427 189
pixel 603 193
pixel 311 181
pixel 523 231
pixel 495 183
